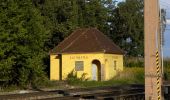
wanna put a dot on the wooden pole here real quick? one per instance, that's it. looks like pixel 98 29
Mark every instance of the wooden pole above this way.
pixel 153 78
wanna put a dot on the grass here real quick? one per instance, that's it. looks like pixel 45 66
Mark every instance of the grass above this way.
pixel 133 75
pixel 128 76
pixel 167 69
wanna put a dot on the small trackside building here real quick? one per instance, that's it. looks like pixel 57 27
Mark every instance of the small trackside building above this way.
pixel 86 51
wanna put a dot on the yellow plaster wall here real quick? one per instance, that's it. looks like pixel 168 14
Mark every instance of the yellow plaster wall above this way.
pixel 68 63
pixel 109 61
pixel 54 67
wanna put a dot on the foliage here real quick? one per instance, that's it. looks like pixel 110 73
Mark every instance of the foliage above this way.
pixel 128 76
pixel 22 43
pixel 64 16
pixel 127 24
pixel 73 79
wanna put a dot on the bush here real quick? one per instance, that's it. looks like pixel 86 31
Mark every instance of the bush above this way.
pixel 73 79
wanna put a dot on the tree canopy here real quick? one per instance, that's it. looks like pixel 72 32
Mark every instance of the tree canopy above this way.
pixel 22 40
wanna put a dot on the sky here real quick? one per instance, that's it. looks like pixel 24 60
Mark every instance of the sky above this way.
pixel 166 48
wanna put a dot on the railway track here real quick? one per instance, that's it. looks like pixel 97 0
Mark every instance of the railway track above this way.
pixel 125 92
pixel 129 94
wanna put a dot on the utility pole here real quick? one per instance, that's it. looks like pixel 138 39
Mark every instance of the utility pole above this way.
pixel 153 76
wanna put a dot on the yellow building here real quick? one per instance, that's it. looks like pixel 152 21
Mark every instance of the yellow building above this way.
pixel 86 51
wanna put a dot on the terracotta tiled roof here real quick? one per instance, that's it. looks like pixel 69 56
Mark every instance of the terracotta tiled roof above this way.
pixel 87 40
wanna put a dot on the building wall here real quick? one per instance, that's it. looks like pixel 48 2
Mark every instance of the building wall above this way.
pixel 68 65
pixel 54 67
pixel 114 64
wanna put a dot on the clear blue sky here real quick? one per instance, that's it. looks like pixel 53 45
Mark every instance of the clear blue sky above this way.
pixel 166 48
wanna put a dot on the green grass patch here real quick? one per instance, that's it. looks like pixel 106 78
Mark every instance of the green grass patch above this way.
pixel 133 75
pixel 167 69
pixel 9 88
pixel 128 76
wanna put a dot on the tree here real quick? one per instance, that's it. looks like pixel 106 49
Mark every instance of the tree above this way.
pixel 23 35
pixel 63 17
pixel 127 27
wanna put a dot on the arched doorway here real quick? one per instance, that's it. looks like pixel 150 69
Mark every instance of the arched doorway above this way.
pixel 96 70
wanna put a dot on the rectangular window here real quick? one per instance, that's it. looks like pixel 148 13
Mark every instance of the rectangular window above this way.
pixel 115 65
pixel 79 65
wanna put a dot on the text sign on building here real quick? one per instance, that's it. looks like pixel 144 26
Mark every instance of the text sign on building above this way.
pixel 78 57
